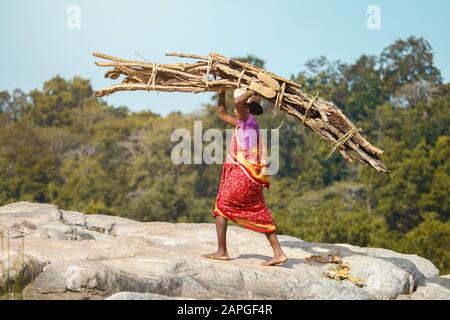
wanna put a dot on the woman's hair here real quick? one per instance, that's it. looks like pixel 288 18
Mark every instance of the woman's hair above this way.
pixel 255 108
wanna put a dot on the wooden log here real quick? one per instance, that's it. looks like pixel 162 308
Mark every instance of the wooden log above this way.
pixel 189 56
pixel 251 67
pixel 145 87
pixel 144 65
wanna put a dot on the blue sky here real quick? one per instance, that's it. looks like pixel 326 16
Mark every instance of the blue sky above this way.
pixel 37 45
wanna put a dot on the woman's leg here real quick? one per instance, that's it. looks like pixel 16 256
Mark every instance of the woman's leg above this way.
pixel 221 229
pixel 278 254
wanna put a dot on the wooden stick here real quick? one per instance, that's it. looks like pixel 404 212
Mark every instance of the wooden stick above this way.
pixel 189 56
pixel 253 68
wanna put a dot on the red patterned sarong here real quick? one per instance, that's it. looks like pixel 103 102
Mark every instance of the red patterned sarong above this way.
pixel 240 196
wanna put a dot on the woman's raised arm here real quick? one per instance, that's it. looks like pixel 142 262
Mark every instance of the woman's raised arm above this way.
pixel 222 111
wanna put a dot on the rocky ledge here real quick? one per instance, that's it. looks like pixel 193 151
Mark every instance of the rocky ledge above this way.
pixel 70 255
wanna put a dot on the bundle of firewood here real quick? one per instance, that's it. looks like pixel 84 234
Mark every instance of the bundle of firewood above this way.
pixel 216 73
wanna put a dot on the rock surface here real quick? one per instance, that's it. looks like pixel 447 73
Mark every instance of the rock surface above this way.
pixel 69 255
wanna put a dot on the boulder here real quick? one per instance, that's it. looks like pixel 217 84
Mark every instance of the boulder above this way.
pixel 71 255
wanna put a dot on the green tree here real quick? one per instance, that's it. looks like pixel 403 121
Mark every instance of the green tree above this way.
pixel 27 164
pixel 54 105
pixel 430 239
pixel 406 61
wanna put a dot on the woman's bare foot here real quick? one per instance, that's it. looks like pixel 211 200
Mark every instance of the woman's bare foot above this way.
pixel 217 256
pixel 279 259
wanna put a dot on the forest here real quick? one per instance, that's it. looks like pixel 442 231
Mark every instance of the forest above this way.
pixel 61 145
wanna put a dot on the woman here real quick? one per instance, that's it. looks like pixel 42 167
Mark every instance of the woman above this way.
pixel 240 196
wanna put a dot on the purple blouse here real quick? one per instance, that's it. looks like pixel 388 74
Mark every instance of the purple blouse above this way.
pixel 248 132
